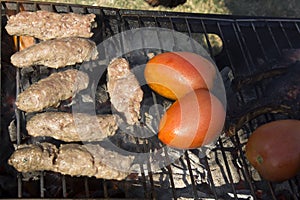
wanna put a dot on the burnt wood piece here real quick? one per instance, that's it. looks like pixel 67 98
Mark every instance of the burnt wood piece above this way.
pixel 279 67
pixel 281 95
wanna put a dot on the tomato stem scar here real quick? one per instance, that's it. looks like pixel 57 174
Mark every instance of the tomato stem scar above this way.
pixel 260 159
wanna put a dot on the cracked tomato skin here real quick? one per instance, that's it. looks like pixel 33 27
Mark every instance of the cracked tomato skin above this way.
pixel 273 149
pixel 192 121
pixel 174 74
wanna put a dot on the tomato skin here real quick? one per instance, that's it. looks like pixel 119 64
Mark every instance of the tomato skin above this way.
pixel 193 120
pixel 274 150
pixel 174 74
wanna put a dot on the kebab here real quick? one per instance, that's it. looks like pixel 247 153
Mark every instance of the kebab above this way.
pixel 124 90
pixel 70 127
pixel 56 53
pixel 71 159
pixel 50 91
pixel 46 25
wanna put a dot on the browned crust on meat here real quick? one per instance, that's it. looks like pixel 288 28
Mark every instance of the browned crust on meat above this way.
pixel 74 160
pixel 51 90
pixel 124 90
pixel 70 127
pixel 47 25
pixel 107 165
pixel 56 53
pixel 71 159
pixel 33 157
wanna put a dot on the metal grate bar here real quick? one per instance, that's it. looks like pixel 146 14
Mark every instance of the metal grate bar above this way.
pixel 191 175
pixel 295 192
pixel 190 33
pixel 153 192
pixel 271 190
pixel 42 185
pixel 172 181
pixel 210 178
pixel 170 174
pixel 144 179
pixel 259 41
pixel 86 187
pixel 225 46
pixel 244 48
pixel 273 39
pixel 227 169
pixel 120 29
pixel 297 27
pixel 64 186
pixel 207 39
pixel 285 35
pixel 105 191
pixel 244 168
pixel 241 46
pixel 19 177
pixel 173 29
pixel 159 37
pixel 18 115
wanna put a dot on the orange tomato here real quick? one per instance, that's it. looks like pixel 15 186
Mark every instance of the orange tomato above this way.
pixel 193 120
pixel 273 149
pixel 174 74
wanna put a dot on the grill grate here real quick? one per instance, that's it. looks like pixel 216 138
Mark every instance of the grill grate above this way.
pixel 246 43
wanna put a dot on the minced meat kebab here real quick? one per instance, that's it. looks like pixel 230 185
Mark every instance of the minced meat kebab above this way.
pixel 46 25
pixel 56 53
pixel 50 91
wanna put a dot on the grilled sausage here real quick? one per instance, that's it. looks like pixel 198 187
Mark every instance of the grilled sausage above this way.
pixel 70 127
pixel 74 160
pixel 71 159
pixel 33 157
pixel 51 90
pixel 124 90
pixel 47 25
pixel 56 53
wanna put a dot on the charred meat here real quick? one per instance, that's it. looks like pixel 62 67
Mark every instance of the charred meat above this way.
pixel 70 127
pixel 56 53
pixel 124 90
pixel 46 25
pixel 71 159
pixel 50 91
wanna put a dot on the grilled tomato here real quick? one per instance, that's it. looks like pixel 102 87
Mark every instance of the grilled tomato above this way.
pixel 174 74
pixel 193 120
pixel 274 150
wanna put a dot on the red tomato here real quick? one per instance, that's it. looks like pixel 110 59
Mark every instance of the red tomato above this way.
pixel 194 120
pixel 274 149
pixel 174 74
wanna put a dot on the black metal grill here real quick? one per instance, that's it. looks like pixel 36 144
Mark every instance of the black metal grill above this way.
pixel 246 44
